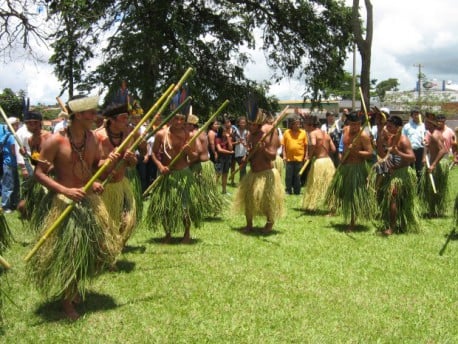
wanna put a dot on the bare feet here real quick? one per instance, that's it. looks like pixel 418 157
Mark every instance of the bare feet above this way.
pixel 186 240
pixel 268 227
pixel 388 232
pixel 77 299
pixel 167 239
pixel 349 229
pixel 247 229
pixel 69 310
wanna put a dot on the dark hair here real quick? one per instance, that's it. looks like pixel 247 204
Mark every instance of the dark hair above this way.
pixel 395 120
pixel 115 109
pixel 33 115
pixel 413 111
pixel 441 117
pixel 353 117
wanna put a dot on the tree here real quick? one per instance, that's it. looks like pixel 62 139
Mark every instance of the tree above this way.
pixel 364 44
pixel 17 26
pixel 12 103
pixel 152 42
pixel 384 86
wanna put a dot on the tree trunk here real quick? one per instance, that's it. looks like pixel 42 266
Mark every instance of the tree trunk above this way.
pixel 364 45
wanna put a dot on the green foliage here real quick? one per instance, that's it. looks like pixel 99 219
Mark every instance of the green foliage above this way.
pixel 11 103
pixel 151 42
pixel 382 87
pixel 308 282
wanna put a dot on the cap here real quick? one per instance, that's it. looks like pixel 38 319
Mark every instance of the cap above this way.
pixel 83 104
pixel 13 120
pixel 385 110
pixel 32 116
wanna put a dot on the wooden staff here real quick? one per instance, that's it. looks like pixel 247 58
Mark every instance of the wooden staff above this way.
pixel 180 154
pixel 62 105
pixel 275 124
pixel 4 263
pixel 302 170
pixel 356 138
pixel 431 177
pixel 169 94
pixel 146 134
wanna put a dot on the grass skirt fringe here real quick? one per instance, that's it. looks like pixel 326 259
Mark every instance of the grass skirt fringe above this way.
pixel 435 204
pixel 5 233
pixel 348 194
pixel 205 174
pixel 260 193
pixel 399 187
pixel 136 187
pixel 318 181
pixel 80 247
pixel 121 205
pixel 279 164
pixel 174 198
pixel 33 194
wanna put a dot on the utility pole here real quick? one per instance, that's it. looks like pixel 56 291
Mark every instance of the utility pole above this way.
pixel 420 76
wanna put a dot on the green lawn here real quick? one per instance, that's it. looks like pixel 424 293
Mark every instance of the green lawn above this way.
pixel 309 281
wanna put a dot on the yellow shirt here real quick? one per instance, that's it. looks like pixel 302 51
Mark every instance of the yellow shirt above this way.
pixel 295 144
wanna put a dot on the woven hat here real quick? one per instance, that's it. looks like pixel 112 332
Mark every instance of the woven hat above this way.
pixel 83 104
pixel 192 119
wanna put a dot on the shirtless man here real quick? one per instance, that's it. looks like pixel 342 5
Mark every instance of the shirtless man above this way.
pixel 32 147
pixel 261 191
pixel 321 147
pixel 395 182
pixel 173 201
pixel 347 191
pixel 74 156
pixel 435 151
pixel 118 194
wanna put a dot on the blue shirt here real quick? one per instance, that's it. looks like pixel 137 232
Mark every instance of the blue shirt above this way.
pixel 9 156
pixel 415 133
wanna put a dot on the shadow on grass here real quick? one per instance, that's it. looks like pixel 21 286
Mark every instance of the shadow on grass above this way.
pixel 255 231
pixel 124 266
pixel 214 219
pixel 173 241
pixel 133 249
pixel 316 212
pixel 52 311
pixel 449 237
pixel 344 228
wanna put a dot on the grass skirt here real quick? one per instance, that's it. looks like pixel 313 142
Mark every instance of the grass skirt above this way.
pixel 5 233
pixel 318 181
pixel 174 198
pixel 279 164
pixel 431 203
pixel 400 187
pixel 33 194
pixel 260 193
pixel 205 175
pixel 80 247
pixel 136 187
pixel 121 205
pixel 347 194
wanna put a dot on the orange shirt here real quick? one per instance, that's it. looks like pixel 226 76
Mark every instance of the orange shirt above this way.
pixel 295 145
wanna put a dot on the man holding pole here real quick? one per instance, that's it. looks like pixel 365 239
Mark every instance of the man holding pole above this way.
pixel 118 195
pixel 175 201
pixel 261 191
pixel 435 151
pixel 348 191
pixel 83 243
pixel 394 181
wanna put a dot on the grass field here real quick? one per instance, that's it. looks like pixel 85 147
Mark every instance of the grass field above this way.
pixel 307 282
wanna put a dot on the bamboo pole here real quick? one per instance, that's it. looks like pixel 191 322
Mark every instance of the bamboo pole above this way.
pixel 4 263
pixel 146 134
pixel 180 155
pixel 302 170
pixel 275 124
pixel 169 94
pixel 431 177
